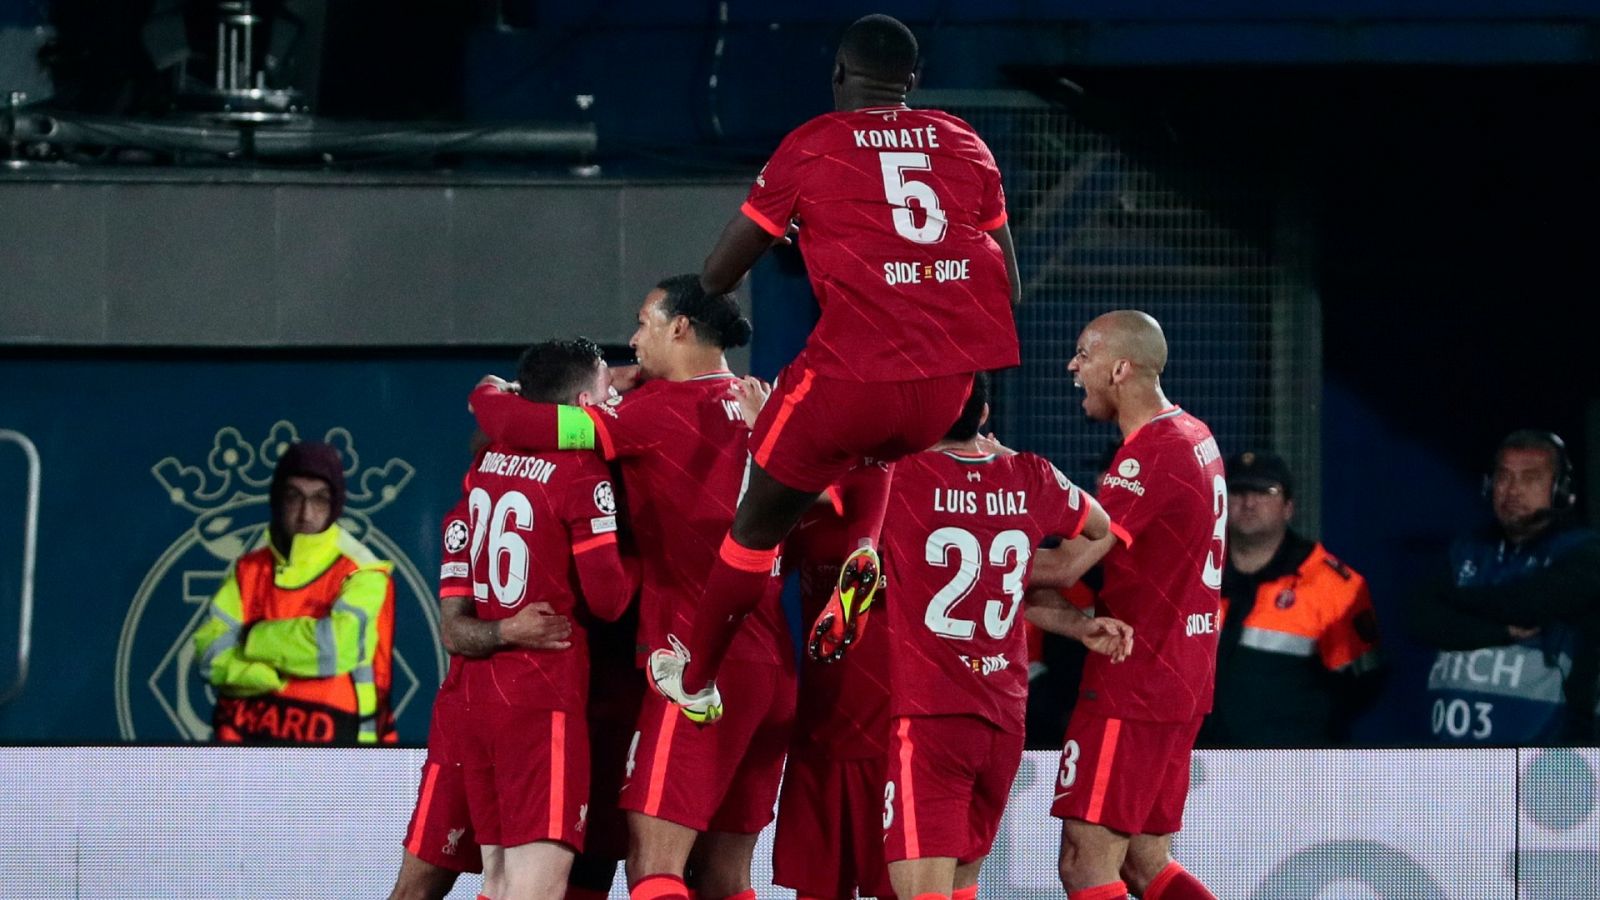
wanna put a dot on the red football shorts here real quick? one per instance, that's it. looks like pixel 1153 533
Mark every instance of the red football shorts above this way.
pixel 814 429
pixel 830 827
pixel 1127 775
pixel 616 689
pixel 949 777
pixel 527 773
pixel 441 832
pixel 722 777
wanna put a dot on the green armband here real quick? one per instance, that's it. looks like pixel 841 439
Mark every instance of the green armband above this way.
pixel 574 429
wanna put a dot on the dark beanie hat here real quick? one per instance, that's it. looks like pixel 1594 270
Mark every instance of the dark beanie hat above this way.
pixel 310 459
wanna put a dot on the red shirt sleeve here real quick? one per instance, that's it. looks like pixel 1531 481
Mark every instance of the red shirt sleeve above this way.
pixel 992 212
pixel 511 420
pixel 631 425
pixel 590 511
pixel 774 197
pixel 1061 507
pixel 455 571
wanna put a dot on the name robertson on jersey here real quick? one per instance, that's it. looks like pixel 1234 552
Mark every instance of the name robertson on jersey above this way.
pixel 924 138
pixel 514 465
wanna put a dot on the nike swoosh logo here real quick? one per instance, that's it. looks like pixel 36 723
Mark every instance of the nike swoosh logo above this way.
pixel 1062 794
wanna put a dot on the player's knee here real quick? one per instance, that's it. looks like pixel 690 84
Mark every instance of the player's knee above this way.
pixel 1138 871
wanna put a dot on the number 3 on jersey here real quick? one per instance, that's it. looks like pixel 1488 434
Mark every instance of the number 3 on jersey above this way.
pixel 1211 575
pixel 901 190
pixel 508 550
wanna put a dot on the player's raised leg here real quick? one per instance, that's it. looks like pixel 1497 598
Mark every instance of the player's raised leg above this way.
pixel 737 581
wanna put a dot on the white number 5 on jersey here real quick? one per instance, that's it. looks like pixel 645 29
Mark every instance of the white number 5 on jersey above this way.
pixel 900 190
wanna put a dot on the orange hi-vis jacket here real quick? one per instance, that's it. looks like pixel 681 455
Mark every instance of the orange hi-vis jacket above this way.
pixel 1286 672
pixel 1314 611
pixel 301 649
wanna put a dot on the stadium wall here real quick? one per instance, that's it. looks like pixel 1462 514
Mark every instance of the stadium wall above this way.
pixel 99 822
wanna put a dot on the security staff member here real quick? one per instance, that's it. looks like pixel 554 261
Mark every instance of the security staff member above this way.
pixel 1517 617
pixel 1299 637
pixel 299 640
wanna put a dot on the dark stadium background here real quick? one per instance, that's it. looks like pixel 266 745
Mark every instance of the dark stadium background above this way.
pixel 1436 159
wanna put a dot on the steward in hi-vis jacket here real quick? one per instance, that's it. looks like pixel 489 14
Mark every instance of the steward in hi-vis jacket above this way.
pixel 298 641
pixel 1298 642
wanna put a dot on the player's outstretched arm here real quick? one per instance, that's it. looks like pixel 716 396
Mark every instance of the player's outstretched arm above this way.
pixel 535 627
pixel 1061 566
pixel 1108 637
pixel 741 244
pixel 509 419
pixel 1008 248
pixel 1047 609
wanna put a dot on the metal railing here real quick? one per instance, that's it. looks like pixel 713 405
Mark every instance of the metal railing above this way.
pixel 30 543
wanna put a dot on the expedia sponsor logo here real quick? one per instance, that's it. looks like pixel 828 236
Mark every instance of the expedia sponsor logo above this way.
pixel 940 271
pixel 1200 623
pixel 985 665
pixel 1117 481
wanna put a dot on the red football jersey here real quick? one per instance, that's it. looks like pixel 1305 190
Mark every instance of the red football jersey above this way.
pixel 529 517
pixel 682 448
pixel 894 205
pixel 843 710
pixel 957 543
pixel 455 574
pixel 1165 489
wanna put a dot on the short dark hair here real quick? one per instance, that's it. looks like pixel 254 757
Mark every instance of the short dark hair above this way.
pixel 881 47
pixel 715 318
pixel 555 371
pixel 966 427
pixel 1561 468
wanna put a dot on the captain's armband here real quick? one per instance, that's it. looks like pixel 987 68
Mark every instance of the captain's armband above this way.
pixel 574 429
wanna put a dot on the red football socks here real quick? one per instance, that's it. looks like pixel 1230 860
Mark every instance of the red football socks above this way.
pixel 970 892
pixel 735 586
pixel 1175 883
pixel 1116 890
pixel 659 887
pixel 865 492
pixel 932 897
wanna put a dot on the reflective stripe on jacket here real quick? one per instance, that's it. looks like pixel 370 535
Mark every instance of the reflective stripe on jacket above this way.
pixel 317 648
pixel 1285 671
pixel 1322 609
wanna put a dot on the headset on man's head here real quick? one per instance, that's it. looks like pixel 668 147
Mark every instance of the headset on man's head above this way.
pixel 1561 492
